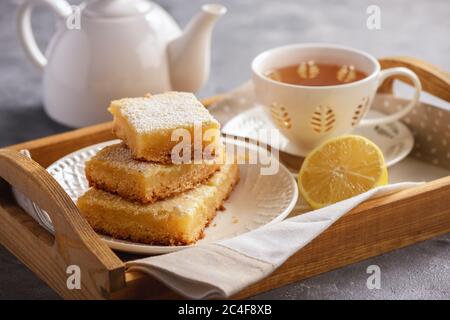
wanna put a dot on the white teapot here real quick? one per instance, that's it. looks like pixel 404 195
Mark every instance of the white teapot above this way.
pixel 116 48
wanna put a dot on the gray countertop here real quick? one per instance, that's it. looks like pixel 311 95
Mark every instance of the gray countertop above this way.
pixel 414 28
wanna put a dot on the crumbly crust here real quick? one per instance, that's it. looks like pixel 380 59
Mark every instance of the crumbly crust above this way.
pixel 114 170
pixel 133 194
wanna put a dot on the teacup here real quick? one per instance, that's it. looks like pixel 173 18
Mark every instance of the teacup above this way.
pixel 309 115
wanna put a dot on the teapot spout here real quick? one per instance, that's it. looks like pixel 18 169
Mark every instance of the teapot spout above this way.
pixel 189 54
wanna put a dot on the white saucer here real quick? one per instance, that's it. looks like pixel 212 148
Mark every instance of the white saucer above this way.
pixel 257 199
pixel 395 139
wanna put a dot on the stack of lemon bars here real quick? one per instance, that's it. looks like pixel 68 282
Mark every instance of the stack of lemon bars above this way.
pixel 137 191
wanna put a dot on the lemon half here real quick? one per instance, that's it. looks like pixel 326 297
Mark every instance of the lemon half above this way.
pixel 341 168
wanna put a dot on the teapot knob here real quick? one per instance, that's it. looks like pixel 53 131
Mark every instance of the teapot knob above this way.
pixel 60 7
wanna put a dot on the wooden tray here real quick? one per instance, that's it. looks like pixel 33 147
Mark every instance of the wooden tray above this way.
pixel 374 227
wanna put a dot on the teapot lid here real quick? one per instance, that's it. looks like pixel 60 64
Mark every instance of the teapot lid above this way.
pixel 116 8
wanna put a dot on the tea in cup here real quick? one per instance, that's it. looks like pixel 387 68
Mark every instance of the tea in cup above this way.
pixel 313 92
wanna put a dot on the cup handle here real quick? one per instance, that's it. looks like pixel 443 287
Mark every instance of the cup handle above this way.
pixel 60 7
pixel 384 74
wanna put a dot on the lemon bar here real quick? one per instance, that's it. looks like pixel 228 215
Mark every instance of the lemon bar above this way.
pixel 146 124
pixel 179 220
pixel 114 170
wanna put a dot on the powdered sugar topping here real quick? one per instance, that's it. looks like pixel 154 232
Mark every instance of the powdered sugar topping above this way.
pixel 120 155
pixel 165 111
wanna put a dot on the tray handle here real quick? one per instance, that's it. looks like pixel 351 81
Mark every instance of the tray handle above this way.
pixel 434 80
pixel 75 242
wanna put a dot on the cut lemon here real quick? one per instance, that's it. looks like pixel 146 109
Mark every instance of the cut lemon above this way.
pixel 341 168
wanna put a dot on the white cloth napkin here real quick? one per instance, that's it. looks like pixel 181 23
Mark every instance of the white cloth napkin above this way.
pixel 224 268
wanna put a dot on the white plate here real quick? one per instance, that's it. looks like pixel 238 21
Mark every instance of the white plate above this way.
pixel 257 199
pixel 395 139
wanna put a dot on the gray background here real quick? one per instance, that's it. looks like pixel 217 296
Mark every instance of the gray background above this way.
pixel 414 28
